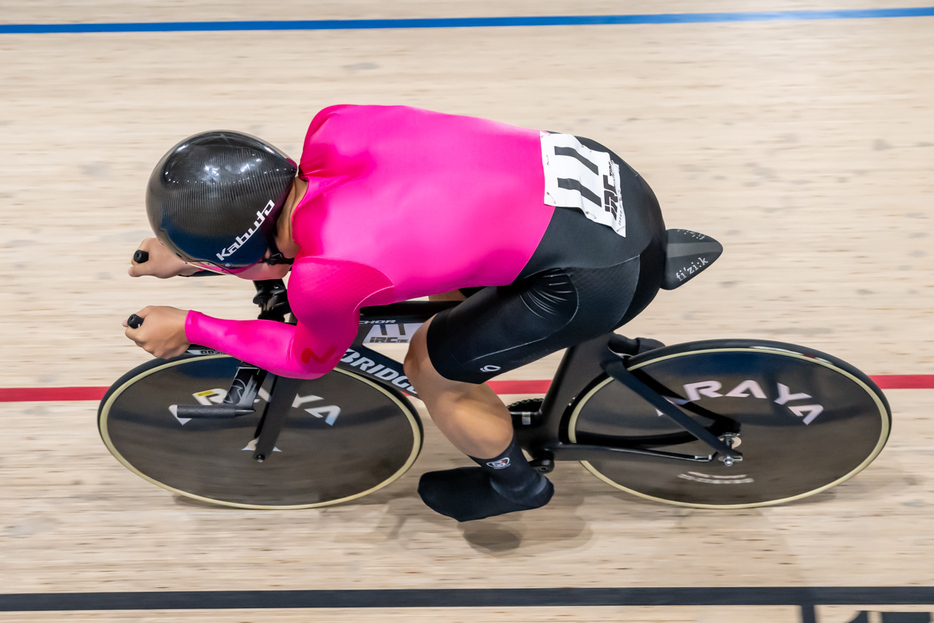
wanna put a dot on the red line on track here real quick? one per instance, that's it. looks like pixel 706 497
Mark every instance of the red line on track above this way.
pixel 72 394
pixel 904 381
pixel 50 394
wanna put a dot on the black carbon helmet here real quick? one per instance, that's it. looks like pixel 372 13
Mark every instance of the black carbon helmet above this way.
pixel 215 197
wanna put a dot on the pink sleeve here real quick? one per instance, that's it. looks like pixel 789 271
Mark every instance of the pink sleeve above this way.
pixel 325 295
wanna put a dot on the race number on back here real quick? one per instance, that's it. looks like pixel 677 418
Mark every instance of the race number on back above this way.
pixel 584 179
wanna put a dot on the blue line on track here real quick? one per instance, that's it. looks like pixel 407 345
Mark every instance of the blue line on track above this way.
pixel 466 22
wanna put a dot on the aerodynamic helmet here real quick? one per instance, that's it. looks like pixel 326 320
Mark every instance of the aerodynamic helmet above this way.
pixel 214 198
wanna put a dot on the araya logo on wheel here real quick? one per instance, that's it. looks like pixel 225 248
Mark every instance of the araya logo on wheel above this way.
pixel 752 389
pixel 328 413
pixel 214 396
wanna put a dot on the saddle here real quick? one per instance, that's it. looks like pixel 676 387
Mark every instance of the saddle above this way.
pixel 687 254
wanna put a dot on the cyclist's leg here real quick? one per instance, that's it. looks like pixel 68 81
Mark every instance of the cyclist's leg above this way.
pixel 496 330
pixel 478 423
pixel 501 328
pixel 470 415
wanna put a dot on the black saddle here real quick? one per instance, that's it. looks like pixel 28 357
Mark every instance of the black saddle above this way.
pixel 688 253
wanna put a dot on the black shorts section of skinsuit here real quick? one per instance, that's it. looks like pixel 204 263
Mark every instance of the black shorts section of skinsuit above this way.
pixel 583 281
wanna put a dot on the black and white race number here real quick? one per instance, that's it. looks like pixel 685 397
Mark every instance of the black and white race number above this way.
pixel 584 179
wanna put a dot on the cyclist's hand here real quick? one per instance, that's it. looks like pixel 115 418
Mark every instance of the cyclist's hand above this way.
pixel 162 333
pixel 158 261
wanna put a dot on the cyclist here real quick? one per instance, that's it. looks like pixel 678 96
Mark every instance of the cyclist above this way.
pixel 563 239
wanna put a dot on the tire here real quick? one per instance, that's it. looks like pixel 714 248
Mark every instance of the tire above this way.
pixel 832 422
pixel 349 438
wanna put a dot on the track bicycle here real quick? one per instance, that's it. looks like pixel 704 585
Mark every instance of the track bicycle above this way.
pixel 733 423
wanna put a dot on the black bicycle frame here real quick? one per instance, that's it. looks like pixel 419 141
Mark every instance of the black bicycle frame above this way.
pixel 542 433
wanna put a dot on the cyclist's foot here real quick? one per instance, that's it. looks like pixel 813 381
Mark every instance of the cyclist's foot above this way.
pixel 467 493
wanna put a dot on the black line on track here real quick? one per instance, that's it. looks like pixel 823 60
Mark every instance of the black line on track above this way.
pixel 808 613
pixel 805 598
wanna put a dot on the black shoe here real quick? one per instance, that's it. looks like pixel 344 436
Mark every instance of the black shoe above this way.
pixel 467 494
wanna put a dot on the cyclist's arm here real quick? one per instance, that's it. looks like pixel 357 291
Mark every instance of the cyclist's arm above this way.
pixel 325 296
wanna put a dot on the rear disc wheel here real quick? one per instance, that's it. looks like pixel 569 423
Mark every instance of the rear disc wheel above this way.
pixel 804 422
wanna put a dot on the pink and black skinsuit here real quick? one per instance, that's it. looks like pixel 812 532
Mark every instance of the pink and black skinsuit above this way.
pixel 402 203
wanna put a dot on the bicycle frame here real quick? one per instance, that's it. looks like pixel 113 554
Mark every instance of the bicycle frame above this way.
pixel 542 433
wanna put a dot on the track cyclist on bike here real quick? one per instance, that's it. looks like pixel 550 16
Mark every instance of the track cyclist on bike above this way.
pixel 393 203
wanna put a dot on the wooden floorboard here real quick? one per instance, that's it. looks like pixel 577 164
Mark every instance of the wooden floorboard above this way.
pixel 805 147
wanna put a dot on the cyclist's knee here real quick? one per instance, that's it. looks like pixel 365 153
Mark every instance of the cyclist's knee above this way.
pixel 421 372
pixel 416 358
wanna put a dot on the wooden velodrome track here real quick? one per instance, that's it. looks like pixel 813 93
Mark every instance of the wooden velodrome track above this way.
pixel 806 146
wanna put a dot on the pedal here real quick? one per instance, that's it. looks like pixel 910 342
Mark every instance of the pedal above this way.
pixel 543 465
